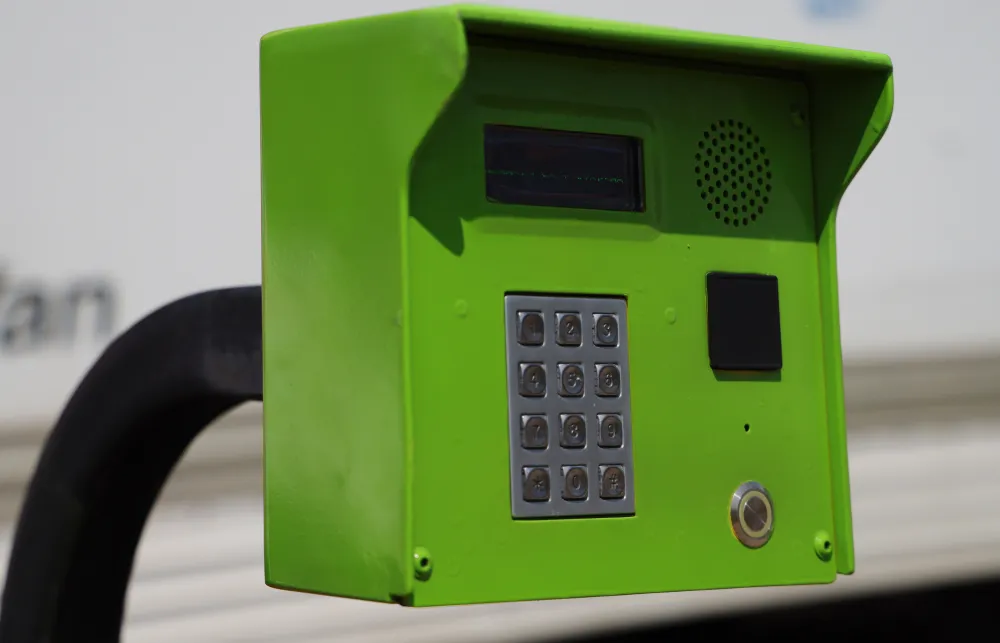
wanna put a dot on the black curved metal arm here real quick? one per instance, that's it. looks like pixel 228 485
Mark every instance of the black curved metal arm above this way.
pixel 151 392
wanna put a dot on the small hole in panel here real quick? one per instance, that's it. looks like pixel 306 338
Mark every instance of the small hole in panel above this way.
pixel 746 427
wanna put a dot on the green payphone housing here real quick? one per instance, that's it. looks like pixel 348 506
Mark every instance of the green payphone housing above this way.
pixel 550 306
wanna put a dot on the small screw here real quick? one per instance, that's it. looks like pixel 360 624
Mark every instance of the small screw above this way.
pixel 823 545
pixel 423 564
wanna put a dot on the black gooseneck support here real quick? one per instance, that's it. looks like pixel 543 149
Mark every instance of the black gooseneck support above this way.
pixel 151 392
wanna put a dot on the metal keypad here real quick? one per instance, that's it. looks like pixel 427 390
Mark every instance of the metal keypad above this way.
pixel 570 421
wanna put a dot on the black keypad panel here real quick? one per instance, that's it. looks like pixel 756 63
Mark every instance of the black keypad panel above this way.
pixel 570 423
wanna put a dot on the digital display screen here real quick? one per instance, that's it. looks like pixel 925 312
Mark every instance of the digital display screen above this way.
pixel 553 168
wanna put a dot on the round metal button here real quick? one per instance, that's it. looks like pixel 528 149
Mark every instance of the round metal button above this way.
pixel 751 513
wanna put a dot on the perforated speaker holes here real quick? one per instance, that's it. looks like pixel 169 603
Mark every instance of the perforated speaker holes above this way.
pixel 733 173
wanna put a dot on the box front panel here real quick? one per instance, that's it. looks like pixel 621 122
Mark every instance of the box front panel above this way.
pixel 707 244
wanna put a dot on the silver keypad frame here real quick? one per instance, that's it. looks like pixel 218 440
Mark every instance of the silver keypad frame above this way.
pixel 555 458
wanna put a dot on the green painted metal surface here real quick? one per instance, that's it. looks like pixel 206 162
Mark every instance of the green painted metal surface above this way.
pixel 385 270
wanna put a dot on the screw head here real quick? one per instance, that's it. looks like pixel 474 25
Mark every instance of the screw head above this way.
pixel 423 564
pixel 823 545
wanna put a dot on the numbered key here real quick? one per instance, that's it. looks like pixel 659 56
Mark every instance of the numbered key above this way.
pixel 575 482
pixel 611 430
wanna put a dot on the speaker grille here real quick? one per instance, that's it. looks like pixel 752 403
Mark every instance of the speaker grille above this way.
pixel 733 173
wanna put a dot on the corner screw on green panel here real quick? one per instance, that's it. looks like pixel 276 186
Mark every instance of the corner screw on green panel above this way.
pixel 423 564
pixel 823 545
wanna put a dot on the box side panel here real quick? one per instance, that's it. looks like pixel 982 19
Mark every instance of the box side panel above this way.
pixel 849 116
pixel 343 107
pixel 697 434
pixel 840 482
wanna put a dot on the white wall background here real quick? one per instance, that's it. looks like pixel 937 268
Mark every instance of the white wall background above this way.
pixel 129 148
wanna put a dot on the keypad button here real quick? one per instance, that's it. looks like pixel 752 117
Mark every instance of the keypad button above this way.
pixel 530 328
pixel 536 484
pixel 610 430
pixel 534 432
pixel 532 380
pixel 575 483
pixel 570 380
pixel 606 329
pixel 612 481
pixel 568 329
pixel 609 380
pixel 573 431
